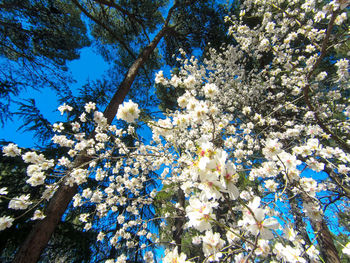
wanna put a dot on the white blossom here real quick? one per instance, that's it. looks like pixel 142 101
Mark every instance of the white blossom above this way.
pixel 128 112
pixel 11 150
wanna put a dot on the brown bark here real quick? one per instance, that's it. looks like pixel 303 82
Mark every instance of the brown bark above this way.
pixel 298 216
pixel 42 231
pixel 325 240
pixel 324 237
pixel 40 235
pixel 179 221
pixel 129 78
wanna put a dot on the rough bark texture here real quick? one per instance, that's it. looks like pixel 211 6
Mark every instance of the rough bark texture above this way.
pixel 41 233
pixel 298 216
pixel 324 238
pixel 130 76
pixel 180 221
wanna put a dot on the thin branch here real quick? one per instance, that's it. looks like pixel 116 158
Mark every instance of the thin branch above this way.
pixel 125 12
pixel 97 21
pixel 306 89
pixel 100 23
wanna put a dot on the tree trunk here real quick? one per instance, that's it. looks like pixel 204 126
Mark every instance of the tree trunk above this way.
pixel 325 240
pixel 179 221
pixel 42 231
pixel 298 216
pixel 40 235
pixel 129 78
pixel 324 237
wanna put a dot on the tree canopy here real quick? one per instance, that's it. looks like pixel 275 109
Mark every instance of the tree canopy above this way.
pixel 37 38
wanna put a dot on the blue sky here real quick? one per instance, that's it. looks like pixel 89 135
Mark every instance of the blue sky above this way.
pixel 90 66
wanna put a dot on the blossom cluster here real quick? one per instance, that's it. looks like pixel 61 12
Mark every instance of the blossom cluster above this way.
pixel 247 154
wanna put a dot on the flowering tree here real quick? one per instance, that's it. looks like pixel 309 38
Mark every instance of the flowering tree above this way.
pixel 256 154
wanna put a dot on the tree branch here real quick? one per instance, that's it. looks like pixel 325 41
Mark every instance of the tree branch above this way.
pixel 100 23
pixel 39 236
pixel 125 12
pixel 306 89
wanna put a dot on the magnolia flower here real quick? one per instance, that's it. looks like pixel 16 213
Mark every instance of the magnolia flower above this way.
pixel 254 220
pixel 272 148
pixel 37 178
pixel 160 78
pixel 128 112
pixel 229 178
pixel 148 257
pixel 11 150
pixel 121 259
pixel 212 244
pixel 190 81
pixel 288 161
pixel 174 257
pixel 38 214
pixel 5 222
pixel 3 191
pixel 64 108
pixel 210 90
pixel 346 249
pixel 200 213
pixel 90 106
pixel 58 127
pixel 21 202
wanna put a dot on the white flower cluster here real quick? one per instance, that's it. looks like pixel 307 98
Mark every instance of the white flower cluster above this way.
pixel 128 112
pixel 247 153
